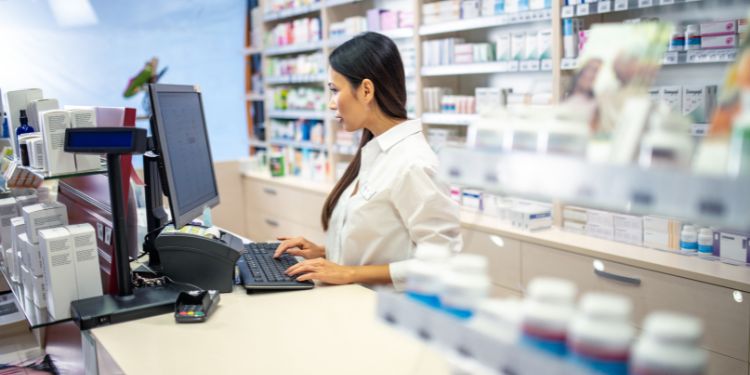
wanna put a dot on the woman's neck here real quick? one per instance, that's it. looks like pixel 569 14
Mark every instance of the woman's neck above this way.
pixel 381 124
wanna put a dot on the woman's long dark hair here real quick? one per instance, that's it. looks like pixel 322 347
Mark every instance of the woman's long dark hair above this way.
pixel 375 57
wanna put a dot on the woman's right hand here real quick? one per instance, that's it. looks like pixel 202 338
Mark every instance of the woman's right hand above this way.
pixel 298 246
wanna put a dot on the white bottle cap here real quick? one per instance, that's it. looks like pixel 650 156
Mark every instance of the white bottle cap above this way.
pixel 652 355
pixel 673 328
pixel 551 290
pixel 605 306
pixel 504 311
pixel 607 336
pixel 469 264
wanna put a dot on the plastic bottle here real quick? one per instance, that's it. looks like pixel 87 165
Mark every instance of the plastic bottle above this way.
pixel 688 239
pixel 669 345
pixel 705 241
pixel 423 280
pixel 5 130
pixel 547 312
pixel 739 143
pixel 24 127
pixel 570 39
pixel 600 336
pixel 465 286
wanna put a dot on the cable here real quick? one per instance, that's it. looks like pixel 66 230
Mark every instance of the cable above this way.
pixel 184 283
pixel 168 278
pixel 158 229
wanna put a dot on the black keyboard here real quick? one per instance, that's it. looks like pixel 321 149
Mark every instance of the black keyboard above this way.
pixel 260 270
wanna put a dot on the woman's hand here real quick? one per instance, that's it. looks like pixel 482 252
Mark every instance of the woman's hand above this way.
pixel 323 270
pixel 299 246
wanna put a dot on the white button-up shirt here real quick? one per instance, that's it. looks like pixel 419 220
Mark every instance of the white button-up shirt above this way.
pixel 400 204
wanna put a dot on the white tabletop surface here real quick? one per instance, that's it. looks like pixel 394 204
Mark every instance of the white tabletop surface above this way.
pixel 326 330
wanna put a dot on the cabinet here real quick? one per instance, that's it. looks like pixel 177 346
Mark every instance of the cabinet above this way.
pixel 504 255
pixel 725 314
pixel 275 209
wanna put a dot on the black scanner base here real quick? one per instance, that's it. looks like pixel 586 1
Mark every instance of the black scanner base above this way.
pixel 198 261
pixel 144 302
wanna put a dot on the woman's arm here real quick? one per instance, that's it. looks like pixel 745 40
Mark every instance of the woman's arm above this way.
pixel 332 273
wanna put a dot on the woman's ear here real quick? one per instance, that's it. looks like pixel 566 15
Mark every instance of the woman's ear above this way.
pixel 367 89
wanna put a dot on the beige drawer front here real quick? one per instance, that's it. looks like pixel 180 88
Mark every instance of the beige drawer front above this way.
pixel 500 292
pixel 262 226
pixel 722 365
pixel 504 256
pixel 298 205
pixel 727 322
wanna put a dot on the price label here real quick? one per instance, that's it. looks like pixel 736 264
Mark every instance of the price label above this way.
pixel 532 66
pixel 671 58
pixel 582 10
pixel 547 65
pixel 692 57
pixel 731 55
pixel 666 2
pixel 567 11
pixel 645 3
pixel 513 66
pixel 523 66
pixel 513 18
pixel 604 6
pixel 621 5
pixel 502 66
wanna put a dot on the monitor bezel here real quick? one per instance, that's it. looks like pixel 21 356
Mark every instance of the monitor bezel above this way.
pixel 179 218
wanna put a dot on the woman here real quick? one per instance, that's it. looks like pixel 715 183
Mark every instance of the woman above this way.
pixel 389 200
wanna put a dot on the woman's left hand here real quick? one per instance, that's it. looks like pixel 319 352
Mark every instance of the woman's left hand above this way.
pixel 323 270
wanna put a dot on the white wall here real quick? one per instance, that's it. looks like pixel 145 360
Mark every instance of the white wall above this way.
pixel 200 41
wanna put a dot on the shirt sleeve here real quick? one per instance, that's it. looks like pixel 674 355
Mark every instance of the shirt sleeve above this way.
pixel 428 212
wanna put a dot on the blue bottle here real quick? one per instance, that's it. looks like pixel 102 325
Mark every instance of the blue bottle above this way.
pixel 25 127
pixel 6 132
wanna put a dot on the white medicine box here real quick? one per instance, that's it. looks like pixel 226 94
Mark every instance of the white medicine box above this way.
pixel 57 249
pixel 42 216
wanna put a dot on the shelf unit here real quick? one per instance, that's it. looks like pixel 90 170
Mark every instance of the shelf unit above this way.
pixel 551 74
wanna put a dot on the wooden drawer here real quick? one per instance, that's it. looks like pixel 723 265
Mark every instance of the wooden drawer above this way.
pixel 504 256
pixel 298 205
pixel 726 321
pixel 262 226
pixel 500 292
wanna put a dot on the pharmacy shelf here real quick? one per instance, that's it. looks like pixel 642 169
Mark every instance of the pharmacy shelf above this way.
pixel 612 6
pixel 257 143
pixel 470 346
pixel 523 66
pixel 253 51
pixel 296 79
pixel 297 144
pixel 254 97
pixel 294 48
pixel 437 118
pixel 294 12
pixel 710 200
pixel 294 114
pixel 486 22
pixel 335 3
pixel 708 56
pixel 403 33
pixel 345 149
pixel 36 316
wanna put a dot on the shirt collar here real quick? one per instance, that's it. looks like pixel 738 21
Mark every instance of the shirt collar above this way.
pixel 398 133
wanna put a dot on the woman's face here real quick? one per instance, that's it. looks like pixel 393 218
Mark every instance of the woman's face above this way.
pixel 350 111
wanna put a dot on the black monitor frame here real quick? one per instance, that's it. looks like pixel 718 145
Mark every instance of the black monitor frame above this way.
pixel 161 145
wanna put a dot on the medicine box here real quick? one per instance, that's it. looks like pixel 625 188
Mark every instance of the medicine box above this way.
pixel 32 256
pixel 88 277
pixel 531 217
pixel 628 229
pixel 672 95
pixel 732 247
pixel 26 200
pixel 488 98
pixel 721 41
pixel 59 270
pixel 84 118
pixel 502 47
pixel 600 224
pixel 35 107
pixel 697 102
pixel 8 210
pixel 742 26
pixel 718 28
pixel 574 227
pixel 518 46
pixel 39 291
pixel 53 125
pixel 27 283
pixel 577 214
pixel 44 215
pixel 472 198
pixel 545 44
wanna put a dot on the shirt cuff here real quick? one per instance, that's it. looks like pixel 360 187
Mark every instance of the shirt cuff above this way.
pixel 399 271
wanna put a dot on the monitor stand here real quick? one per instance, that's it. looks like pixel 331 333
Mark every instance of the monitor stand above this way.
pixel 129 304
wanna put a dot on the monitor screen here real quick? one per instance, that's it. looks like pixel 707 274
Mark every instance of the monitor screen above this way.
pixel 182 141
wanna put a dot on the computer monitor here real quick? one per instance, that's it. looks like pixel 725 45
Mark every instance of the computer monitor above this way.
pixel 181 139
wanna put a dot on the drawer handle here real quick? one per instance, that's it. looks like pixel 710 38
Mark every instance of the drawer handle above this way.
pixel 272 223
pixel 613 276
pixel 269 191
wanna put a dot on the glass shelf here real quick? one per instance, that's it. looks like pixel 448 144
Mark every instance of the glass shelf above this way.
pixel 36 316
